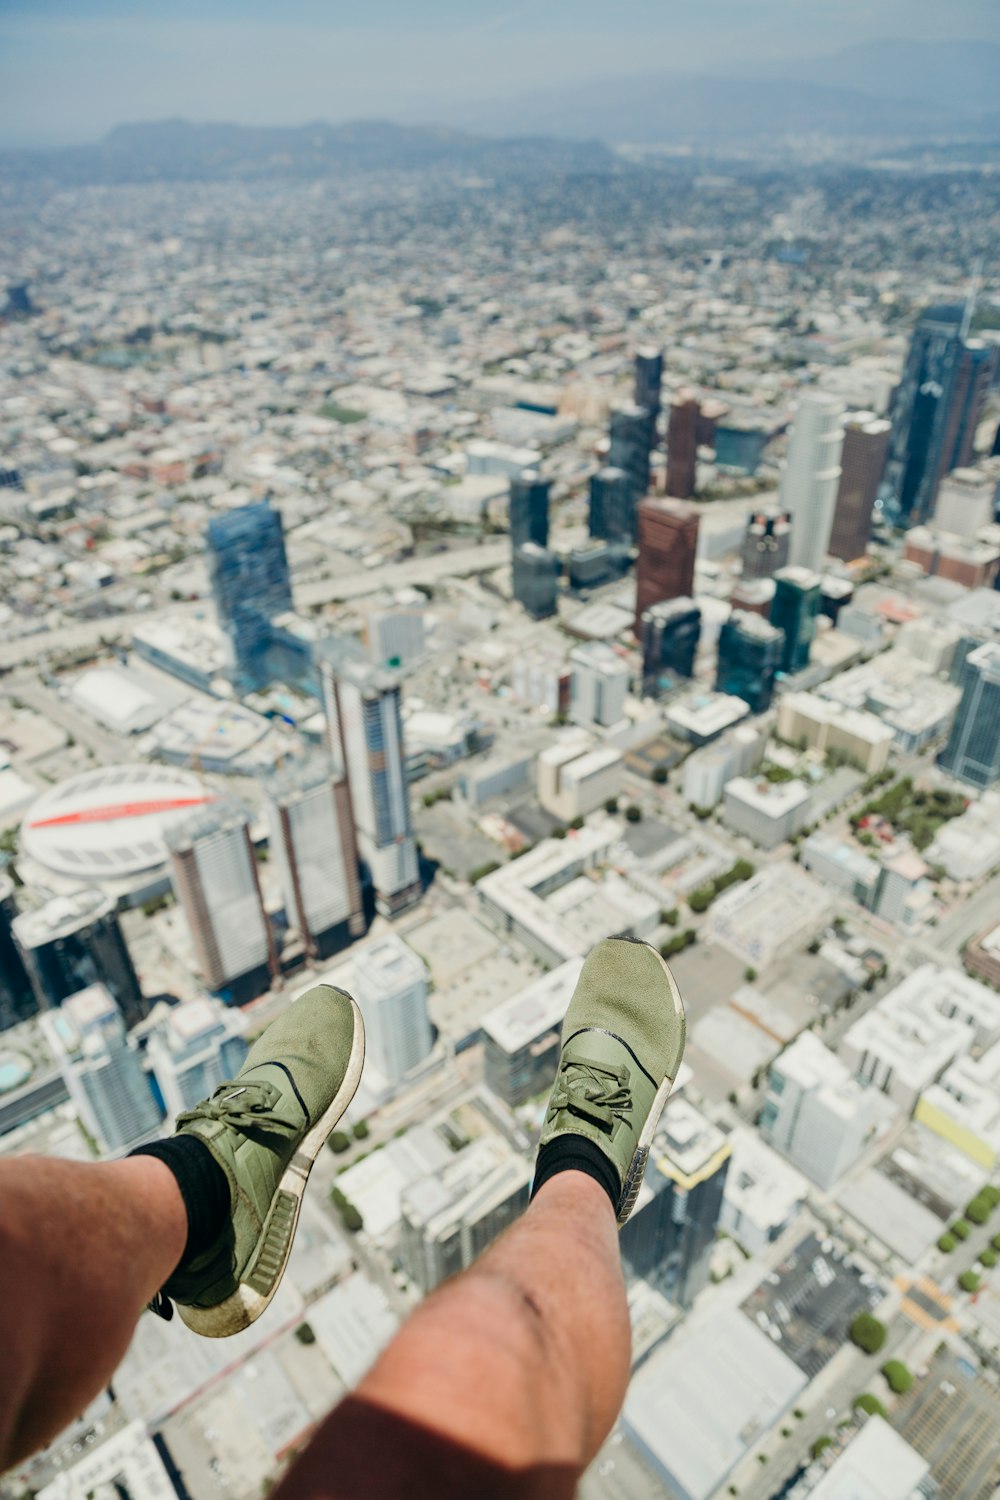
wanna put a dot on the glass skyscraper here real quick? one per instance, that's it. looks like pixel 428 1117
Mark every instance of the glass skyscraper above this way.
pixel 670 635
pixel 17 998
pixel 529 509
pixel 973 750
pixel 74 942
pixel 794 609
pixel 248 567
pixel 612 506
pixel 633 433
pixel 750 652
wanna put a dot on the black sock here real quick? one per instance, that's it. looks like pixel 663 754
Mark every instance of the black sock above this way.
pixel 204 1187
pixel 576 1153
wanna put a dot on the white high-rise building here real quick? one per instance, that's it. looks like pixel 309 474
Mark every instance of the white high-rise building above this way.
pixel 193 1048
pixel 812 475
pixel 390 986
pixel 396 634
pixel 214 873
pixel 103 1074
pixel 364 718
pixel 598 685
pixel 313 846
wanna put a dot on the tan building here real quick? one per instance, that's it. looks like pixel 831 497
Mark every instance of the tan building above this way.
pixel 575 779
pixel 826 726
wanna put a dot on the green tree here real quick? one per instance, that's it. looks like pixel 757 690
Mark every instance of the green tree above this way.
pixel 819 1445
pixel 947 1243
pixel 701 898
pixel 670 917
pixel 659 774
pixel 899 1377
pixel 989 1259
pixel 749 974
pixel 304 1334
pixel 868 1333
pixel 970 1281
pixel 576 823
pixel 633 813
pixel 961 1230
pixel 360 1130
pixel 611 806
pixel 978 1209
pixel 870 1404
pixel 339 1141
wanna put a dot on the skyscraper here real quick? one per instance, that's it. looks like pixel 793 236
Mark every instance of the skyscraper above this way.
pixel 766 544
pixel 365 725
pixel 649 379
pixel 668 541
pixel 935 412
pixel 103 1074
pixel 250 584
pixel 633 433
pixel 214 872
pixel 750 652
pixel 862 463
pixel 193 1048
pixel 535 576
pixel 449 1218
pixel 811 476
pixel 529 509
pixel 390 986
pixel 794 610
pixel 682 445
pixel 671 1232
pixel 670 635
pixel 17 999
pixel 598 686
pixel 313 843
pixel 973 750
pixel 75 941
pixel 612 506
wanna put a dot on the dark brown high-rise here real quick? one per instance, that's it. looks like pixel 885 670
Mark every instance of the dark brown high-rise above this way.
pixel 668 541
pixel 682 445
pixel 862 462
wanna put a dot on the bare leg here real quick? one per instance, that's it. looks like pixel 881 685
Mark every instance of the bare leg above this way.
pixel 521 1363
pixel 83 1249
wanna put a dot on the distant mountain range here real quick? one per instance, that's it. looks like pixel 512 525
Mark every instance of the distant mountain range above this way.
pixel 866 96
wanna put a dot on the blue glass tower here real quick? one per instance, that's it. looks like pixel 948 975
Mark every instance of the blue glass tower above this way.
pixel 529 509
pixel 794 609
pixel 750 652
pixel 612 506
pixel 973 749
pixel 250 584
pixel 633 433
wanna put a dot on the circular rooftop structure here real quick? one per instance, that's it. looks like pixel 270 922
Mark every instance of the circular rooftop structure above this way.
pixel 109 824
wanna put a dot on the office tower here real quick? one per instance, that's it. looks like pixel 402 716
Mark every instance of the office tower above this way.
pixel 449 1218
pixel 811 476
pixel 668 541
pixel 766 544
pixel 682 445
pixel 633 433
pixel 670 635
pixel 816 1114
pixel 835 594
pixel 213 866
pixel 17 998
pixel 648 379
pixel 750 652
pixel 612 506
pixel 396 636
pixel 529 509
pixel 973 750
pixel 671 1232
pixel 794 610
pixel 862 464
pixel 75 941
pixel 390 986
pixel 521 1035
pixel 193 1048
pixel 250 584
pixel 966 501
pixel 740 444
pixel 103 1074
pixel 535 576
pixel 575 779
pixel 365 723
pixel 598 685
pixel 937 407
pixel 595 563
pixel 313 845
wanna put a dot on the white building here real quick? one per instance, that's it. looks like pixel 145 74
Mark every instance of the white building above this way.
pixel 598 686
pixel 841 866
pixel 575 779
pixel 914 1033
pixel 102 1073
pixel 193 1048
pixel 498 776
pixel 763 1193
pixel 390 986
pixel 214 873
pixel 816 1114
pixel 767 812
pixel 776 911
pixel 128 1463
pixel 964 1107
pixel 811 476
pixel 877 1465
pixel 968 847
pixel 364 715
pixel 312 842
pixel 707 770
pixel 396 636
pixel 965 501
pixel 826 726
pixel 703 716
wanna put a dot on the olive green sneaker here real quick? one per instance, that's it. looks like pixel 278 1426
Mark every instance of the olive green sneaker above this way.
pixel 622 1044
pixel 265 1129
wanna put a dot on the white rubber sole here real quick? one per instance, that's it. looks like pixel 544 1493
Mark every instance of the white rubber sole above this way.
pixel 245 1305
pixel 637 1166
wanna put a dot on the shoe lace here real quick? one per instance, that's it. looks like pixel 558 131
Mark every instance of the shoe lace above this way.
pixel 593 1091
pixel 243 1106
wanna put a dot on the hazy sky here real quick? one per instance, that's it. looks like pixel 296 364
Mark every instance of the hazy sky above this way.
pixel 70 69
